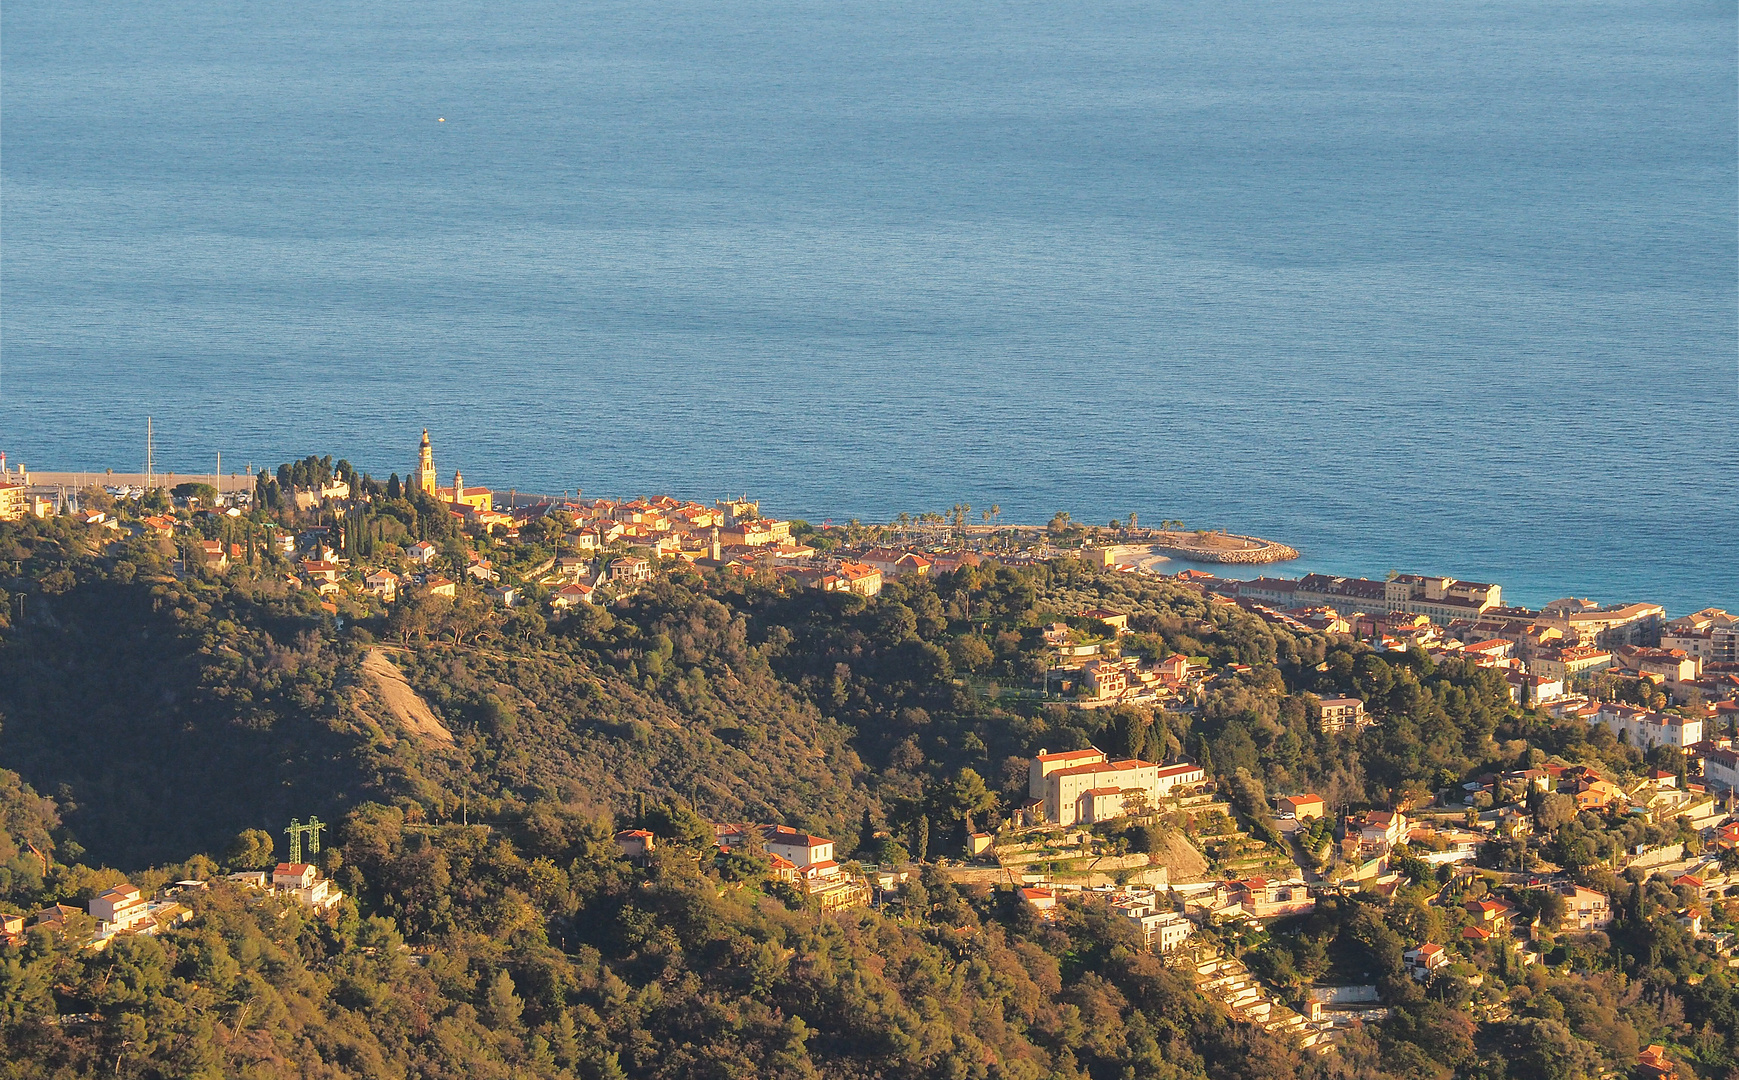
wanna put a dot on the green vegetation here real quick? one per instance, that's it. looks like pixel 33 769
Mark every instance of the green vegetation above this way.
pixel 177 717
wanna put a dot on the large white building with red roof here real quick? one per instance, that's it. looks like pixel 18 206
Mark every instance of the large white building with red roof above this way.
pixel 1082 786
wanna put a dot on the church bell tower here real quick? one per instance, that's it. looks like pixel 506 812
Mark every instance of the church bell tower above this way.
pixel 426 465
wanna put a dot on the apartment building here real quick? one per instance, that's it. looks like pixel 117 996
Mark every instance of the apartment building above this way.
pixel 1583 622
pixel 1083 786
pixel 1644 727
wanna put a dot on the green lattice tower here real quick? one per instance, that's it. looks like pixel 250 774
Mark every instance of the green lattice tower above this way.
pixel 313 829
pixel 295 832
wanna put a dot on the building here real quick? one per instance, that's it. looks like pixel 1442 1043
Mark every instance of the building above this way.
pixel 1492 915
pixel 1376 832
pixel 1341 714
pixel 1526 690
pixel 756 533
pixel 1424 960
pixel 801 849
pixel 422 552
pixel 1645 728
pixel 424 473
pixel 1265 899
pixel 469 501
pixel 382 583
pixel 303 882
pixel 1721 769
pixel 1302 807
pixel 630 570
pixel 1116 620
pixel 635 843
pixel 1565 664
pixel 569 595
pixel 1673 665
pixel 319 570
pixel 1585 909
pixel 1082 786
pixel 1710 635
pixel 862 579
pixel 1442 600
pixel 14 499
pixel 1585 623
pixel 1653 1064
pixel 119 909
pixel 1041 900
pixel 440 586
pixel 1104 679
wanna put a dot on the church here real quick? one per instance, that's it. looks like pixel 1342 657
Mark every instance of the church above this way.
pixel 476 499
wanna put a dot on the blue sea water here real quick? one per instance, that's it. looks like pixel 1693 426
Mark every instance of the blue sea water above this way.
pixel 1442 287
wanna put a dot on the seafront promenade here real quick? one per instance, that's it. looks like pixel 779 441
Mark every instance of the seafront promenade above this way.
pixel 77 481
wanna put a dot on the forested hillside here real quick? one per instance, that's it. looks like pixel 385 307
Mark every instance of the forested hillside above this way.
pixel 493 928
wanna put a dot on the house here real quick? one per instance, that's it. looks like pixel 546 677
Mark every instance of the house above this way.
pixel 11 928
pixel 1302 807
pixel 212 554
pixel 119 909
pixel 630 570
pixel 1424 960
pixel 569 595
pixel 382 583
pixel 1041 900
pixel 1585 909
pixel 1338 714
pixel 1116 620
pixel 1653 1064
pixel 803 850
pixel 303 882
pixel 1103 679
pixel 861 579
pixel 978 843
pixel 56 916
pixel 1526 689
pixel 1265 899
pixel 440 586
pixel 319 570
pixel 1173 669
pixel 422 552
pixel 1377 831
pixel 1493 915
pixel 635 843
pixel 505 595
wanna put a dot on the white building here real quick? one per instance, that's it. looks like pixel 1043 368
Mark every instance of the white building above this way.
pixel 1080 786
pixel 1721 769
pixel 1646 728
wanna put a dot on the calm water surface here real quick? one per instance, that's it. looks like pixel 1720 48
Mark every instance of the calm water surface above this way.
pixel 1445 287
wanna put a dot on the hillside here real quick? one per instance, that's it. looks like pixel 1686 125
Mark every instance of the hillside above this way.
pixel 476 761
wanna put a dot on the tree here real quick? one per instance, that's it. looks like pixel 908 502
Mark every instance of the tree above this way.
pixel 968 796
pixel 204 493
pixel 1552 809
pixel 393 490
pixel 252 849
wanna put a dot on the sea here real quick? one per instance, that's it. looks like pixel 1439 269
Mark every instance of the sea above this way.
pixel 1447 288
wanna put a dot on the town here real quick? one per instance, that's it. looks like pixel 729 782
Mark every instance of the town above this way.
pixel 1208 867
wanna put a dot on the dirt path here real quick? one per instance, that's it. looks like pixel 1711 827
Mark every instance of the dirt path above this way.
pixel 387 683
